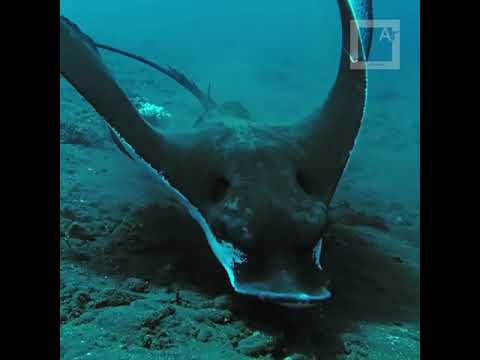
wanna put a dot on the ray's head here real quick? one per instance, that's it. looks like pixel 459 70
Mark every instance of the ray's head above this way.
pixel 261 201
pixel 264 205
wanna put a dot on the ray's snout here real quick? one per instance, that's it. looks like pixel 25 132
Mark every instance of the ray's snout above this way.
pixel 279 236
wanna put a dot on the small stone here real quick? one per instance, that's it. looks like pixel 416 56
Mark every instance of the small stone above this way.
pixel 82 298
pixel 362 353
pixel 136 285
pixel 154 319
pixel 68 213
pixel 115 297
pixel 79 232
pixel 203 335
pixel 84 318
pixel 213 315
pixel 256 345
pixel 231 332
pixel 147 341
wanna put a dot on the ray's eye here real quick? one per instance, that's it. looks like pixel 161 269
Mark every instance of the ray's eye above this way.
pixel 219 189
pixel 304 183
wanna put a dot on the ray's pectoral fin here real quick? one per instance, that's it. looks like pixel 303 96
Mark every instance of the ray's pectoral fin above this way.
pixel 66 23
pixel 82 66
pixel 329 134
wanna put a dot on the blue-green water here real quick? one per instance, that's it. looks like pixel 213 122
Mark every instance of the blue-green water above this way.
pixel 279 59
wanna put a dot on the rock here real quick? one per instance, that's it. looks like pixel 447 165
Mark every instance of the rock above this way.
pixel 68 213
pixel 151 341
pixel 84 318
pixel 213 315
pixel 256 345
pixel 136 285
pixel 362 353
pixel 79 232
pixel 74 304
pixel 82 298
pixel 204 334
pixel 155 317
pixel 232 332
pixel 115 297
pixel 147 341
pixel 63 315
pixel 240 325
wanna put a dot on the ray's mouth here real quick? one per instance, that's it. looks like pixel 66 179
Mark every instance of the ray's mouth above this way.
pixel 294 299
pixel 290 278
